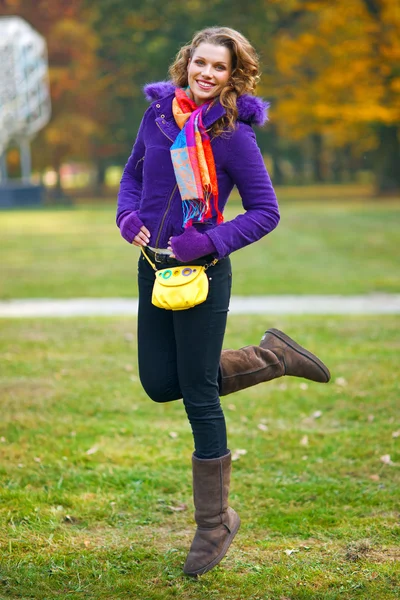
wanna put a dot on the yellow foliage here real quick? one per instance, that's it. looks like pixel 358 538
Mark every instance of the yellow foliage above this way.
pixel 337 70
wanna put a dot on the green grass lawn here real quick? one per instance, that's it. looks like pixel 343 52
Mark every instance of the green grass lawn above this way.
pixel 94 475
pixel 330 246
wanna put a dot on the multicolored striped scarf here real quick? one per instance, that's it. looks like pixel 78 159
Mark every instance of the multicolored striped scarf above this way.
pixel 193 161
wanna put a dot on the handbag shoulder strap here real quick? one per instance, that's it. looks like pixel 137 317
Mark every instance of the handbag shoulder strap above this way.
pixel 147 258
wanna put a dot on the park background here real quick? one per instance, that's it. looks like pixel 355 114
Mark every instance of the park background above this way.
pixel 96 490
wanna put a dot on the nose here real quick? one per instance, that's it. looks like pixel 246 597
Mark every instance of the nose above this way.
pixel 206 71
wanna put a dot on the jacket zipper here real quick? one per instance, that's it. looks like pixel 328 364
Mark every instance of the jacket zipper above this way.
pixel 167 136
pixel 170 198
pixel 165 214
pixel 139 161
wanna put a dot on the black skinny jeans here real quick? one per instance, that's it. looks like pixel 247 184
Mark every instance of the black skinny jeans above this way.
pixel 179 353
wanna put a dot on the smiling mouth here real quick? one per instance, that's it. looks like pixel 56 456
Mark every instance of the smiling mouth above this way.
pixel 204 85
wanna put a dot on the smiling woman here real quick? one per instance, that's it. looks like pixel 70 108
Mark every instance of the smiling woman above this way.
pixel 208 71
pixel 194 144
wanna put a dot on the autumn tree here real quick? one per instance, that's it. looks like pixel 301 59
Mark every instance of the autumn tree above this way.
pixel 337 72
pixel 139 41
pixel 74 81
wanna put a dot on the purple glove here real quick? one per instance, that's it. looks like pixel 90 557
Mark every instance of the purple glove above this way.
pixel 129 225
pixel 191 245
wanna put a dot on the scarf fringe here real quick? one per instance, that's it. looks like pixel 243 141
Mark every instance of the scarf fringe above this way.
pixel 193 210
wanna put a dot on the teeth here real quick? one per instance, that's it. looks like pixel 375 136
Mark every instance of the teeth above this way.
pixel 205 85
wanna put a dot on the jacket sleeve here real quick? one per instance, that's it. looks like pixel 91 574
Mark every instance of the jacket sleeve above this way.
pixel 130 189
pixel 245 166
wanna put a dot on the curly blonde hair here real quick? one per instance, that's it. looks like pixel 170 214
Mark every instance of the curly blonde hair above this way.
pixel 245 69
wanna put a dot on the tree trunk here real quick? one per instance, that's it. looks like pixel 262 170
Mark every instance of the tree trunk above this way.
pixel 317 158
pixel 274 150
pixel 387 160
pixel 101 168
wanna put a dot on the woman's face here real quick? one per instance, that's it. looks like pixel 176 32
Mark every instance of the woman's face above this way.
pixel 208 71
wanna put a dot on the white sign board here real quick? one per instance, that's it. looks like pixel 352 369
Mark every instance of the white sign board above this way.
pixel 24 88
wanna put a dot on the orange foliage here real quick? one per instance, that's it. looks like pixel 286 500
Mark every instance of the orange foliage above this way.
pixel 337 70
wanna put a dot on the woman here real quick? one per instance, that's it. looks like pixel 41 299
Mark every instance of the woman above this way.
pixel 194 144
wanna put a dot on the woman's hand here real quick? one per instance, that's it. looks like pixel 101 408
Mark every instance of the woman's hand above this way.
pixel 170 248
pixel 190 245
pixel 133 230
pixel 142 238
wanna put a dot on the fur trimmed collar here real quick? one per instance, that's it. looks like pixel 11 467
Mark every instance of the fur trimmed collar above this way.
pixel 252 109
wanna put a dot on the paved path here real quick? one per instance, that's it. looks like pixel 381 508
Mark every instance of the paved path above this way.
pixel 252 305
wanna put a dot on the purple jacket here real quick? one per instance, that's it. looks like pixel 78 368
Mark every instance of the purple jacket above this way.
pixel 148 184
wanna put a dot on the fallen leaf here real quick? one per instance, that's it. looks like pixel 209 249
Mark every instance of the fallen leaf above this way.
pixel 173 434
pixel 282 387
pixel 305 457
pixel 236 454
pixel 178 508
pixel 370 418
pixel 317 414
pixel 129 337
pixel 386 459
pixel 244 419
pixel 231 407
pixel 37 459
pixel 395 434
pixel 374 477
pixel 70 519
pixel 289 552
pixel 128 368
pixel 303 386
pixel 92 450
pixel 87 543
pixel 341 381
pixel 2 439
pixel 304 440
pixel 262 427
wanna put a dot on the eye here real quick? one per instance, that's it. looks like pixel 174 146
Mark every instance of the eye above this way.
pixel 220 67
pixel 198 61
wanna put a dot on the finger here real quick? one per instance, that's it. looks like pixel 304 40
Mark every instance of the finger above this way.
pixel 143 237
pixel 145 230
pixel 139 241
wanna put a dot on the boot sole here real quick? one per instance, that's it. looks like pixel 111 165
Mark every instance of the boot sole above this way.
pixel 295 346
pixel 220 556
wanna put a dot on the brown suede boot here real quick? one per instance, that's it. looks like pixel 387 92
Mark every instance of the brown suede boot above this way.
pixel 217 523
pixel 277 355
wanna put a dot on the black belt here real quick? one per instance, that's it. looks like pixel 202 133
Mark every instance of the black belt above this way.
pixel 160 257
pixel 166 259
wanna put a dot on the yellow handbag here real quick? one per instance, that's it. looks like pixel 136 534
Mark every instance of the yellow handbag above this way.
pixel 179 288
